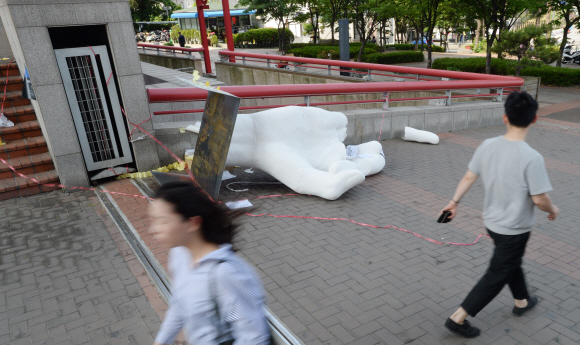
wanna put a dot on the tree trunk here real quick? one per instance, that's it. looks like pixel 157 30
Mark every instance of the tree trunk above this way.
pixel 488 58
pixel 362 47
pixel 332 32
pixel 563 44
pixel 477 33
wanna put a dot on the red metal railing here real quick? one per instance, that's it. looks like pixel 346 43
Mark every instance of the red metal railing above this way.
pixel 464 81
pixel 179 50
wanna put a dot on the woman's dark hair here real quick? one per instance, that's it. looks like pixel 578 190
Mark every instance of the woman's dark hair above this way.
pixel 520 109
pixel 189 201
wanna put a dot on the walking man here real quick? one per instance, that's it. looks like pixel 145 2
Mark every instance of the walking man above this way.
pixel 515 179
pixel 181 40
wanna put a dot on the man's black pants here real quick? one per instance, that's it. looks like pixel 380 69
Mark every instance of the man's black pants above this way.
pixel 505 268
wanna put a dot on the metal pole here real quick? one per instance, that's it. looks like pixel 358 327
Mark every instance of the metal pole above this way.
pixel 369 75
pixel 328 69
pixel 268 62
pixel 244 60
pixel 386 96
pixel 228 25
pixel 307 100
pixel 500 96
pixel 203 32
pixel 448 100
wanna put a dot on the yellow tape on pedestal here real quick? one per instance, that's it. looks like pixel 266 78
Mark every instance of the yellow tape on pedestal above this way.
pixel 167 168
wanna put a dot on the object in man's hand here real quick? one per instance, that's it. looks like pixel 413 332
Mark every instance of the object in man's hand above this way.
pixel 444 218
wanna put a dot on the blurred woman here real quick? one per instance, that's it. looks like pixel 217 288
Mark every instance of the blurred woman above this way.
pixel 217 297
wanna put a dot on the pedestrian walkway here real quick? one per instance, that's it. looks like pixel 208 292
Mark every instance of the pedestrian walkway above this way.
pixel 334 282
pixel 68 277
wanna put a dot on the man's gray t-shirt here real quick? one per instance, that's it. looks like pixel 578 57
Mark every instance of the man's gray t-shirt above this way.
pixel 512 172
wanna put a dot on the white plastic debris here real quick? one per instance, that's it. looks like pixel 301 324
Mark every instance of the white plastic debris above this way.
pixel 412 134
pixel 194 128
pixel 238 204
pixel 4 122
pixel 226 175
pixel 249 171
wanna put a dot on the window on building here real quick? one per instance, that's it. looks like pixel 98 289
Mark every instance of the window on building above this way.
pixel 244 20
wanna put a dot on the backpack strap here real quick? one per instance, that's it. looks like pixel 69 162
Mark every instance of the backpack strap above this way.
pixel 212 291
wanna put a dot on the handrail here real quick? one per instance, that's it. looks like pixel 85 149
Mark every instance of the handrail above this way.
pixel 180 49
pixel 189 94
pixel 371 66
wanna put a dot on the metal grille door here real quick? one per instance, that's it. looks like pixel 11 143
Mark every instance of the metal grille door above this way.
pixel 94 103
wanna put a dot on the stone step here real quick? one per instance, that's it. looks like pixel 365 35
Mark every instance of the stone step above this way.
pixel 23 113
pixel 15 83
pixel 20 130
pixel 15 187
pixel 23 147
pixel 27 165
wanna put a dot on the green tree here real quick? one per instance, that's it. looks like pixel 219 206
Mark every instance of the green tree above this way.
pixel 423 16
pixel 565 11
pixel 312 16
pixel 331 11
pixel 151 10
pixel 529 43
pixel 494 15
pixel 366 15
pixel 278 10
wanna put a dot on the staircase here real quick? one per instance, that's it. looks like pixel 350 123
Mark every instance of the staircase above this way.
pixel 25 147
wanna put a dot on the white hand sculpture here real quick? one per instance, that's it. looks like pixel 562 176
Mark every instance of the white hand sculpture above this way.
pixel 302 148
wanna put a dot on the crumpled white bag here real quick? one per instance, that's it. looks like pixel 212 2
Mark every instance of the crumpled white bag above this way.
pixel 4 122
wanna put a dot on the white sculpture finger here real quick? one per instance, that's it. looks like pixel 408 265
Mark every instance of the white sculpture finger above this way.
pixel 412 134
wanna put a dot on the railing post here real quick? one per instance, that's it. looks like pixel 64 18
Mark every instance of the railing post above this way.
pixel 417 77
pixel 268 62
pixel 174 52
pixel 328 69
pixel 500 96
pixel 478 91
pixel 295 66
pixel 157 51
pixel 244 60
pixel 448 100
pixel 189 53
pixel 386 97
pixel 307 100
pixel 369 75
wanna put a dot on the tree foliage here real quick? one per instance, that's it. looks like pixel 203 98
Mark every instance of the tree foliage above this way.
pixel 564 11
pixel 281 11
pixel 151 10
pixel 528 43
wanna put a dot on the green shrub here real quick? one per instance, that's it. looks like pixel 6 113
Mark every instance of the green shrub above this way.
pixel 550 75
pixel 437 49
pixel 214 40
pixel 175 29
pixel 312 51
pixel 481 47
pixel 394 58
pixel 168 44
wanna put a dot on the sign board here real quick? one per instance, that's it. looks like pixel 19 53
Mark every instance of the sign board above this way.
pixel 344 43
pixel 213 141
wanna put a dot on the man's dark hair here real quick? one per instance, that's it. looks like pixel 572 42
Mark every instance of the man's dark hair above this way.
pixel 520 109
pixel 179 32
pixel 189 201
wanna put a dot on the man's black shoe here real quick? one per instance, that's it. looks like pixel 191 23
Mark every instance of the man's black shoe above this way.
pixel 532 301
pixel 465 330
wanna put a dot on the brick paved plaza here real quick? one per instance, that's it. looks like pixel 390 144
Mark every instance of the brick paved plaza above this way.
pixel 68 277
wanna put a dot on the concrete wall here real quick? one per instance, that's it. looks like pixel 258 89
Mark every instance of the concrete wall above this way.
pixel 237 74
pixel 365 124
pixel 5 51
pixel 172 62
pixel 26 28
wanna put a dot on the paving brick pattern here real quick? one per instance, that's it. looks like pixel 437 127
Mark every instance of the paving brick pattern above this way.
pixel 64 280
pixel 338 283
pixel 334 282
